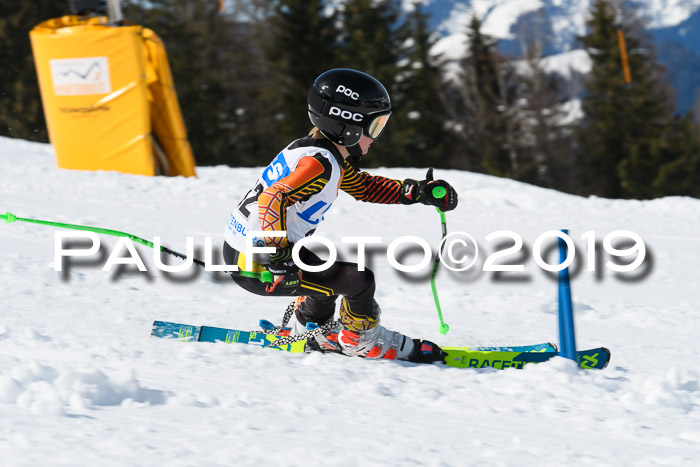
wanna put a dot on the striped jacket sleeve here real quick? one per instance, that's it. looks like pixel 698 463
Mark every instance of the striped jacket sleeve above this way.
pixel 309 177
pixel 368 188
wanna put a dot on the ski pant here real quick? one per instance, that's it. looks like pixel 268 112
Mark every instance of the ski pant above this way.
pixel 321 288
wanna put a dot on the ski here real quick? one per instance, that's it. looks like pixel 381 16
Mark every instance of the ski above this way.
pixel 460 357
pixel 190 333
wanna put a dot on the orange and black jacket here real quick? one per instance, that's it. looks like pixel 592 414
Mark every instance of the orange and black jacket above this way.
pixel 312 174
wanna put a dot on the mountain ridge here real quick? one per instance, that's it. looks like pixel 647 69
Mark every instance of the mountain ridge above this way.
pixel 673 27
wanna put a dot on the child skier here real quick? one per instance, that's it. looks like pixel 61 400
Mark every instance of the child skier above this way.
pixel 349 109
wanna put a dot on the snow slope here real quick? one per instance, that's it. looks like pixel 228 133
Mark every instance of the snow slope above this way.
pixel 81 382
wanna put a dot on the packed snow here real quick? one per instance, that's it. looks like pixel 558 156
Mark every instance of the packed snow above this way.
pixel 82 383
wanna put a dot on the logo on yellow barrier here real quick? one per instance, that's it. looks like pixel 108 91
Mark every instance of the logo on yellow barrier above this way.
pixel 80 76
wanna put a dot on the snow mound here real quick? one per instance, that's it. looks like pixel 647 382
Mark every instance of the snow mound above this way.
pixel 44 389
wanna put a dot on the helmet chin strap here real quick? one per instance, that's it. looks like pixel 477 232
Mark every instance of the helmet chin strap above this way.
pixel 355 156
pixel 355 150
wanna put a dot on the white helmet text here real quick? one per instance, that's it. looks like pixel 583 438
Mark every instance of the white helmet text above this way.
pixel 347 91
pixel 345 114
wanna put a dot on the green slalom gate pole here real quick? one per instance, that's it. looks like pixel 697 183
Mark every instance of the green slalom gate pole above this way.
pixel 439 192
pixel 8 217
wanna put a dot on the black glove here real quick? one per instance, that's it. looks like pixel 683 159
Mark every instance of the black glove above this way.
pixel 422 192
pixel 287 274
pixel 281 262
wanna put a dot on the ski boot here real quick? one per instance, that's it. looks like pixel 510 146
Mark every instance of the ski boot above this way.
pixel 363 336
pixel 323 337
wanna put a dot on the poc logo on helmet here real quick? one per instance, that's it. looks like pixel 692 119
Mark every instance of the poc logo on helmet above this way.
pixel 347 91
pixel 345 114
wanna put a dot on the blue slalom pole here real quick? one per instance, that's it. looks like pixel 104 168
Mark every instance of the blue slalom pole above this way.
pixel 567 338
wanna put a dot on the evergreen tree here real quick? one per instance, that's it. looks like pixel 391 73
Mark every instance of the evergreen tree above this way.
pixel 545 149
pixel 627 134
pixel 372 40
pixel 419 115
pixel 486 116
pixel 681 175
pixel 219 77
pixel 302 46
pixel 21 112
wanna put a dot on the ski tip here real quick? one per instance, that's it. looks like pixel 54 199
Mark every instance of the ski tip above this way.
pixel 607 360
pixel 594 359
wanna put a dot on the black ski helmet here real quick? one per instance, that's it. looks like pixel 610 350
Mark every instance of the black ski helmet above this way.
pixel 344 103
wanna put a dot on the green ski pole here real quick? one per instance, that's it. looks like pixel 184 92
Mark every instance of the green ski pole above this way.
pixel 8 217
pixel 439 192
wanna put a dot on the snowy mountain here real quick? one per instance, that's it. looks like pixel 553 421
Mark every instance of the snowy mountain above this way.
pixel 565 18
pixel 81 382
pixel 674 26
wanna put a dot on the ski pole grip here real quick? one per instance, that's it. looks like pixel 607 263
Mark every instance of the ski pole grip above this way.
pixel 439 192
pixel 9 217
